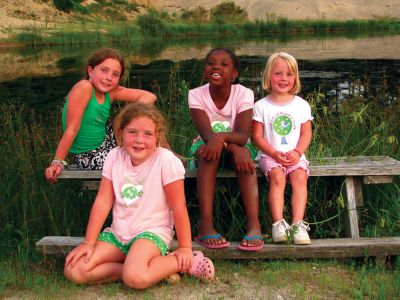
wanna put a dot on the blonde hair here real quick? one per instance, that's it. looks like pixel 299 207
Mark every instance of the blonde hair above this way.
pixel 137 110
pixel 293 66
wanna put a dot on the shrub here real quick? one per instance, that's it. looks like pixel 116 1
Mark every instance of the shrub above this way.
pixel 228 12
pixel 64 5
pixel 29 38
pixel 152 24
pixel 196 15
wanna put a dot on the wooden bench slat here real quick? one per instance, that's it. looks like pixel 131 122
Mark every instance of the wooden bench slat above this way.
pixel 351 166
pixel 377 179
pixel 372 169
pixel 321 248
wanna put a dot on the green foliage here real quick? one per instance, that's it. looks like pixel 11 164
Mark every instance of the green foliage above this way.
pixel 152 24
pixel 31 207
pixel 196 15
pixel 79 8
pixel 361 125
pixel 29 38
pixel 228 12
pixel 64 5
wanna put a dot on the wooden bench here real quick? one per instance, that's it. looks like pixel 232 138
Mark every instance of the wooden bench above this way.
pixel 321 248
pixel 356 171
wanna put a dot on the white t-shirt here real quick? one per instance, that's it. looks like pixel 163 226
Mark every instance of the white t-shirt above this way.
pixel 140 203
pixel 222 120
pixel 282 123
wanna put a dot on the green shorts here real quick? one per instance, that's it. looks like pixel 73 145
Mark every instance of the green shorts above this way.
pixel 225 159
pixel 110 238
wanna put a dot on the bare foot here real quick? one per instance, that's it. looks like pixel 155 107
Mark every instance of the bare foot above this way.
pixel 253 238
pixel 210 237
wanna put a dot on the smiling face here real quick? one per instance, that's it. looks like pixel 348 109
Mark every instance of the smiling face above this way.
pixel 282 78
pixel 220 69
pixel 106 75
pixel 139 139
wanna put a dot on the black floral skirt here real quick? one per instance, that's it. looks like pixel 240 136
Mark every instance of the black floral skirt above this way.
pixel 94 159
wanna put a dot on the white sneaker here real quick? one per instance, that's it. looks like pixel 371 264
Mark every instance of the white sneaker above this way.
pixel 300 234
pixel 280 231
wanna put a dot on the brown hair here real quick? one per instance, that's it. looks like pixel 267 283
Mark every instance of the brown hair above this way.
pixel 101 55
pixel 136 110
pixel 293 66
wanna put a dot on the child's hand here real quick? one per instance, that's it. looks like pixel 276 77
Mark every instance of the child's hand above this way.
pixel 242 159
pixel 280 158
pixel 293 157
pixel 184 257
pixel 211 150
pixel 52 172
pixel 83 249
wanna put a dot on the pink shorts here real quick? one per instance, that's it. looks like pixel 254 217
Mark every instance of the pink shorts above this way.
pixel 267 163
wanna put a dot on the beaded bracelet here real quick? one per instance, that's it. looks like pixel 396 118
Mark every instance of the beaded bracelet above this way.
pixel 298 152
pixel 220 139
pixel 59 162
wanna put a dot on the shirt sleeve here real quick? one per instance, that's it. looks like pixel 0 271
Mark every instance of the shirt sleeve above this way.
pixel 195 99
pixel 306 113
pixel 172 168
pixel 258 112
pixel 247 102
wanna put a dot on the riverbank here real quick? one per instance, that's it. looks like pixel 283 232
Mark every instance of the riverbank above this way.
pixel 46 61
pixel 24 15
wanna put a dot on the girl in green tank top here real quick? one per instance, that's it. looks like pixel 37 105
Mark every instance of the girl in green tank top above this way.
pixel 86 112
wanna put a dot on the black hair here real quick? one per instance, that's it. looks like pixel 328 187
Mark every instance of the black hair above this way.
pixel 231 54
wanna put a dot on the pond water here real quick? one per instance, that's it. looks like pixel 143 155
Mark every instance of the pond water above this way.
pixel 337 65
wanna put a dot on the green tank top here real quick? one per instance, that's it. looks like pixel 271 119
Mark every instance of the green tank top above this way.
pixel 93 126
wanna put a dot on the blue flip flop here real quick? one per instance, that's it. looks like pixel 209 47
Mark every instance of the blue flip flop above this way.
pixel 252 248
pixel 200 240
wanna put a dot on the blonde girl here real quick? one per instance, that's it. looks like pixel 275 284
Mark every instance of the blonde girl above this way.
pixel 143 185
pixel 282 132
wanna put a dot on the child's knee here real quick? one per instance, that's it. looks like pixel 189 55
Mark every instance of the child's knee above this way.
pixel 76 274
pixel 277 178
pixel 137 280
pixel 298 177
pixel 205 163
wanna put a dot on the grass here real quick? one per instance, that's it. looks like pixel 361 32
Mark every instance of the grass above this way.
pixel 155 24
pixel 31 208
pixel 307 279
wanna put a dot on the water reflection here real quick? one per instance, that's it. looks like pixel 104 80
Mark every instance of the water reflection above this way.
pixel 336 65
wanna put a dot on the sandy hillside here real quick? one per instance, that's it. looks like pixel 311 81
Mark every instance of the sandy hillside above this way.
pixel 300 9
pixel 19 13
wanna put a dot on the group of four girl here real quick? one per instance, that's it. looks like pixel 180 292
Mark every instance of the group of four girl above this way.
pixel 142 182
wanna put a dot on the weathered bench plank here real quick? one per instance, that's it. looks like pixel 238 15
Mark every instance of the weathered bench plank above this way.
pixel 321 248
pixel 341 166
pixel 356 171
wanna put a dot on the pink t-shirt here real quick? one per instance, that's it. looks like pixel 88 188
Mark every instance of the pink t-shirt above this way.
pixel 222 120
pixel 140 203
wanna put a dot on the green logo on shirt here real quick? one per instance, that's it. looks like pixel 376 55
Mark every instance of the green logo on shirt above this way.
pixel 218 126
pixel 282 125
pixel 130 192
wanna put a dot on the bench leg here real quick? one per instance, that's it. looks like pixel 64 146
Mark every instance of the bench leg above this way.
pixel 354 197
